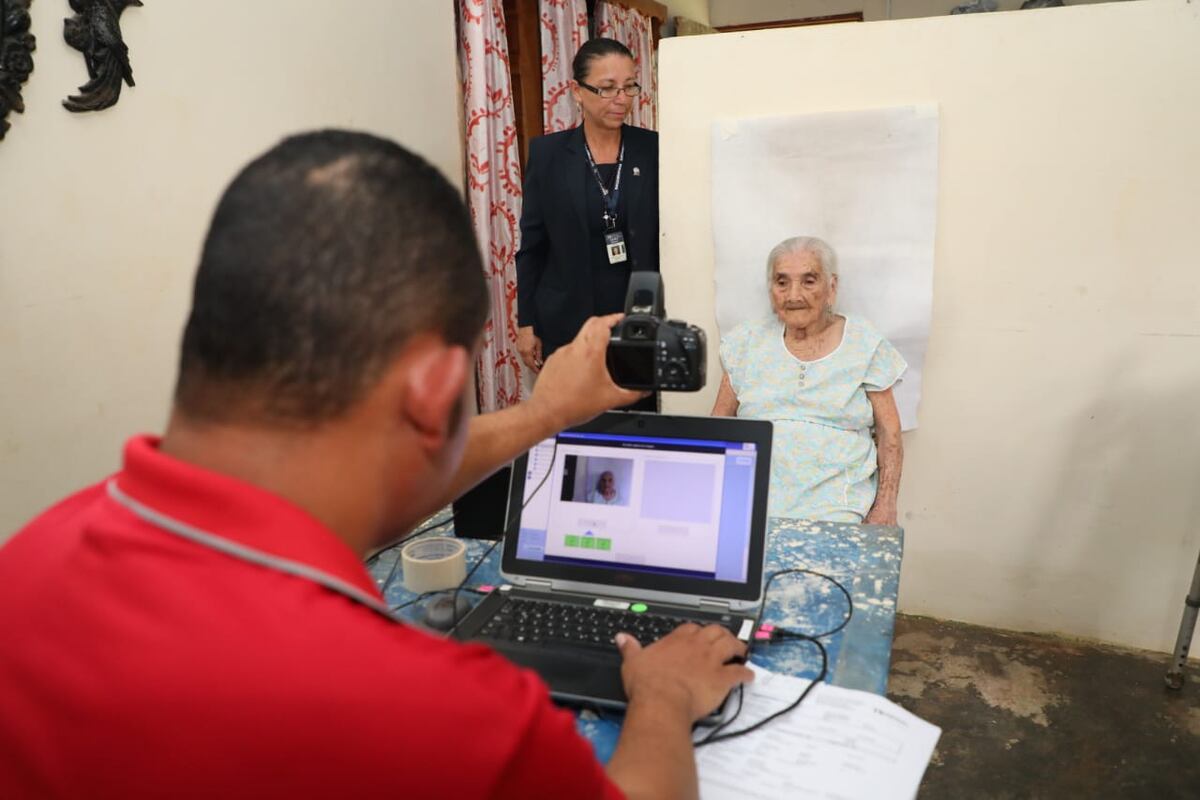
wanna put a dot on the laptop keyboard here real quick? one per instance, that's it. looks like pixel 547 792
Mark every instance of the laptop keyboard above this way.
pixel 547 622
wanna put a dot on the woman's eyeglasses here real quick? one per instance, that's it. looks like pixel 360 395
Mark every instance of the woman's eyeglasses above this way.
pixel 609 92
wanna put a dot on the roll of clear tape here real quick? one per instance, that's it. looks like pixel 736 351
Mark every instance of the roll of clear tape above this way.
pixel 433 563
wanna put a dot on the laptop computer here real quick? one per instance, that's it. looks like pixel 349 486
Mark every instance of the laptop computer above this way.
pixel 632 522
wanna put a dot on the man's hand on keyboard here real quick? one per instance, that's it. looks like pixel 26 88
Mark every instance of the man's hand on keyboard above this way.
pixel 690 666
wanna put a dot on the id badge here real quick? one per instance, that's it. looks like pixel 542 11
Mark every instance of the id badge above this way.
pixel 615 244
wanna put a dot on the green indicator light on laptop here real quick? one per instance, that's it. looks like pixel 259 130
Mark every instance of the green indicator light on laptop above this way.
pixel 638 608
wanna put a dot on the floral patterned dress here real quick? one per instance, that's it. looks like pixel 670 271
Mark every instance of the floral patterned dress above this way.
pixel 823 460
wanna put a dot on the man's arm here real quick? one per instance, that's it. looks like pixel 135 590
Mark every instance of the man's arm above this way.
pixel 574 387
pixel 890 448
pixel 670 684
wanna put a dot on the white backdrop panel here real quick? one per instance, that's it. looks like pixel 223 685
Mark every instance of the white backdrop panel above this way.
pixel 864 181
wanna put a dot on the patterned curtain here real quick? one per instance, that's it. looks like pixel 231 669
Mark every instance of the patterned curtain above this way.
pixel 564 30
pixel 615 21
pixel 493 190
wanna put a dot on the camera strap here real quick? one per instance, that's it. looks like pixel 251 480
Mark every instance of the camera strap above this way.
pixel 610 195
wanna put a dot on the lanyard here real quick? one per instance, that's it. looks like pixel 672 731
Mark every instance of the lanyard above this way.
pixel 212 541
pixel 610 196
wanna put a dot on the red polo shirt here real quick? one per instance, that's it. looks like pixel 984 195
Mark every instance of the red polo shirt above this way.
pixel 135 662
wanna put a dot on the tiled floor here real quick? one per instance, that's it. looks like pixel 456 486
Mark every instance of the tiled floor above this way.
pixel 1032 716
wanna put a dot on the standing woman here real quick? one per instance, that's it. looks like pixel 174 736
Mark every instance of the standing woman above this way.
pixel 590 213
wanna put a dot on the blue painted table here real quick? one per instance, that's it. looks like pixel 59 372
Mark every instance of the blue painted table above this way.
pixel 864 558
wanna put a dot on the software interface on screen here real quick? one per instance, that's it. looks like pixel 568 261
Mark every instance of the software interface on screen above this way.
pixel 671 506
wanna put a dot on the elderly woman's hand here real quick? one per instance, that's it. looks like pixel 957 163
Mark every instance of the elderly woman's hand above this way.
pixel 881 514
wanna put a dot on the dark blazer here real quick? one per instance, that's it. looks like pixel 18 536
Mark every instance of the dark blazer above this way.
pixel 554 277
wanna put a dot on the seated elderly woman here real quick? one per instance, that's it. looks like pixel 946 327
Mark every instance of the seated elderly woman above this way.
pixel 825 380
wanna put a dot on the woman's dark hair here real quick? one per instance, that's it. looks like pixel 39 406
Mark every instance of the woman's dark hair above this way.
pixel 593 49
pixel 325 256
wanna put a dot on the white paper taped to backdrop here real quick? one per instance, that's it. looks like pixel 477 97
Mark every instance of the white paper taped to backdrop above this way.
pixel 864 181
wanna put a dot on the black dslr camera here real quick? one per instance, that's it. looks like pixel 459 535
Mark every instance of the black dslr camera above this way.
pixel 650 352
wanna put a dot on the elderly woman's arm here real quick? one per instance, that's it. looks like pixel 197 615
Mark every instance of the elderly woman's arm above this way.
pixel 891 456
pixel 727 402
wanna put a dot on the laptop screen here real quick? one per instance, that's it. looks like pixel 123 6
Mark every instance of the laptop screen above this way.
pixel 673 504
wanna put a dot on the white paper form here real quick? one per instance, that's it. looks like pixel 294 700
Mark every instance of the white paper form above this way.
pixel 840 744
pixel 864 181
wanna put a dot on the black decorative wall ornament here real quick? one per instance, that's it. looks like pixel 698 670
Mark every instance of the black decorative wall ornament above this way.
pixel 95 31
pixel 16 62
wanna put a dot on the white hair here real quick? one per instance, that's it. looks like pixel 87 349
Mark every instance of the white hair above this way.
pixel 803 244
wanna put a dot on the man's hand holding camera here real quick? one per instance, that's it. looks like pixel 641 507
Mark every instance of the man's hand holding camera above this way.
pixel 642 349
pixel 574 384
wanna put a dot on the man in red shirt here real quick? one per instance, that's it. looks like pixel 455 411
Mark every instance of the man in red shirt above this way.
pixel 201 624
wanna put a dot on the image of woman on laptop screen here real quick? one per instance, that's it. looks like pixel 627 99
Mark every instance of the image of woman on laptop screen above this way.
pixel 605 492
pixel 602 481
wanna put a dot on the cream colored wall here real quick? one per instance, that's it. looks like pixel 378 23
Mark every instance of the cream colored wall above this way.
pixel 102 216
pixel 695 10
pixel 738 12
pixel 1054 483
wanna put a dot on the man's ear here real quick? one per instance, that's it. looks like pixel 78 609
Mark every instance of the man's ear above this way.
pixel 434 379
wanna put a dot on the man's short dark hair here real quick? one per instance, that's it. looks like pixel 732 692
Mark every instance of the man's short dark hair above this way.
pixel 324 257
